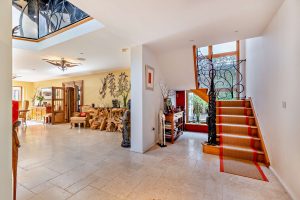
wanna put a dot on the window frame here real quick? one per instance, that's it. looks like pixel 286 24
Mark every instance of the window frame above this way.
pixel 211 55
pixel 21 95
pixel 187 92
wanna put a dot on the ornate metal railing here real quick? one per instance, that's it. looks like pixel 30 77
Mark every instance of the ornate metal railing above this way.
pixel 223 78
pixel 35 19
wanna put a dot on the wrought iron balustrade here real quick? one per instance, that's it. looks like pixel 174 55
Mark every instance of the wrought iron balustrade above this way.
pixel 223 78
pixel 35 19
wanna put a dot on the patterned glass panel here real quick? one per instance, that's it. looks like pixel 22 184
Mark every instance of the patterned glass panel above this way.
pixel 35 19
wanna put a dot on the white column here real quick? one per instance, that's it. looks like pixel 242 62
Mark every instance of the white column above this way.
pixel 145 104
pixel 137 86
pixel 5 100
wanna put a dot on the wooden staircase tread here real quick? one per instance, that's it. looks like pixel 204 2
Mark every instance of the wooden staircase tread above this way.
pixel 241 148
pixel 237 100
pixel 239 136
pixel 233 107
pixel 236 125
pixel 238 116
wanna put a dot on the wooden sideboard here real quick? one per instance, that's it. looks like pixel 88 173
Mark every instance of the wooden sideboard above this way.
pixel 37 113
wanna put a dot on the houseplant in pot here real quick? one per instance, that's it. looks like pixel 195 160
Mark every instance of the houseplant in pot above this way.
pixel 40 98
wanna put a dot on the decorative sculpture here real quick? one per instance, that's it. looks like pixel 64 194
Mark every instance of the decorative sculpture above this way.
pixel 162 130
pixel 126 128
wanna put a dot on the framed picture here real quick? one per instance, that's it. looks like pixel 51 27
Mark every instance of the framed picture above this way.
pixel 149 77
pixel 47 93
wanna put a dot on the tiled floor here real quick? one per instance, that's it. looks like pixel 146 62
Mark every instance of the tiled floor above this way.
pixel 60 163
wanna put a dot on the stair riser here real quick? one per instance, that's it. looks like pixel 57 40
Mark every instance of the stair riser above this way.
pixel 236 120
pixel 243 155
pixel 237 130
pixel 241 142
pixel 233 104
pixel 234 111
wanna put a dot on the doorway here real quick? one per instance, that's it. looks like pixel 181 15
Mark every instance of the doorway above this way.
pixel 73 98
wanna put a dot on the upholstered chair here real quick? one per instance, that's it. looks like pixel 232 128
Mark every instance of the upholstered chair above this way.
pixel 23 111
pixel 81 118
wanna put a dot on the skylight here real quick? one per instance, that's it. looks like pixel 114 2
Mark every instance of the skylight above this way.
pixel 35 19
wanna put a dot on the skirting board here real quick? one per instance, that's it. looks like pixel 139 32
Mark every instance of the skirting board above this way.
pixel 290 193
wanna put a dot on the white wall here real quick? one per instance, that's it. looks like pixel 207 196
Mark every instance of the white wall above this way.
pixel 145 103
pixel 5 100
pixel 152 102
pixel 177 66
pixel 273 68
pixel 137 87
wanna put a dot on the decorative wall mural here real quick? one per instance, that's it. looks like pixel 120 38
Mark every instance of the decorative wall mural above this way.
pixel 121 88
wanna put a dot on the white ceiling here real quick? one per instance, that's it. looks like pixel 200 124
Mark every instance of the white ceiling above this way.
pixel 101 49
pixel 172 23
pixel 161 24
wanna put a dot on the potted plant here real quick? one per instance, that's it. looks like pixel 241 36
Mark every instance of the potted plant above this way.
pixel 40 98
pixel 166 94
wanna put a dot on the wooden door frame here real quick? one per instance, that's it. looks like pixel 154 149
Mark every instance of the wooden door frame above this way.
pixel 53 105
pixel 73 84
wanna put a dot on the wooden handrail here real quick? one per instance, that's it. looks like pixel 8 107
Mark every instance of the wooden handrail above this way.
pixel 195 66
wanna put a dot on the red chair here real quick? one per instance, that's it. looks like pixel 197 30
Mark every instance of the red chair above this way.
pixel 15 144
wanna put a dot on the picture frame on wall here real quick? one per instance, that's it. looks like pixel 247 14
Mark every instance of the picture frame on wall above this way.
pixel 46 93
pixel 149 76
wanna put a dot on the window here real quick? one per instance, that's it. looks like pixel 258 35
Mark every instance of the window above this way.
pixel 197 109
pixel 224 48
pixel 17 93
pixel 224 54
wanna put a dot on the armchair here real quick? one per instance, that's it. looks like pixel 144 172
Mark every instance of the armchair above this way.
pixel 23 111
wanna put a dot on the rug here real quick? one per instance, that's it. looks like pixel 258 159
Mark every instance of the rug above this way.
pixel 245 168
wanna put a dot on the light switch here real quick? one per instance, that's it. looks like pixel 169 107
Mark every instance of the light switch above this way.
pixel 284 104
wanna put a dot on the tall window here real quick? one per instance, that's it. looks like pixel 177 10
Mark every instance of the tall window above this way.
pixel 226 53
pixel 17 93
pixel 196 109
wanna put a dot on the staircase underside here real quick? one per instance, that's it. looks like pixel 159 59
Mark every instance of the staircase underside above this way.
pixel 202 93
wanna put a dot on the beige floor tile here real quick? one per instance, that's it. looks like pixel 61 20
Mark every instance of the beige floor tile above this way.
pixel 57 162
pixel 73 176
pixel 36 176
pixel 23 193
pixel 90 193
pixel 51 194
pixel 76 187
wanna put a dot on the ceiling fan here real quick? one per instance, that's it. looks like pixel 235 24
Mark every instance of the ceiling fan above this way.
pixel 14 76
pixel 62 64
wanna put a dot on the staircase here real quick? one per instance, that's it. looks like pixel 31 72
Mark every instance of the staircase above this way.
pixel 238 133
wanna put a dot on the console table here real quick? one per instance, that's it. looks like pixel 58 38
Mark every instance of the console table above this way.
pixel 174 125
